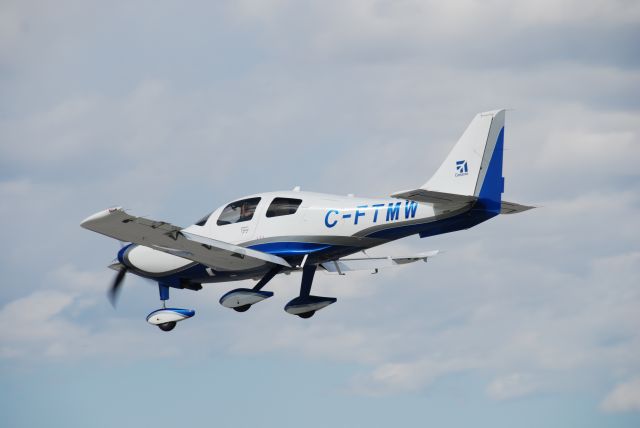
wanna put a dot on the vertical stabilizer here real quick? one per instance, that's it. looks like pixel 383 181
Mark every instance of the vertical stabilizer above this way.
pixel 474 165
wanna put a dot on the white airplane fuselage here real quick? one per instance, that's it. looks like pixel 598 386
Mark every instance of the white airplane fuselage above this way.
pixel 324 227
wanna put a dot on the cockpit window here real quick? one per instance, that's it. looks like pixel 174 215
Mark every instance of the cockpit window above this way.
pixel 203 220
pixel 283 206
pixel 238 211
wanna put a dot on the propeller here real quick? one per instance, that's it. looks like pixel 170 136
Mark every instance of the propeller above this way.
pixel 116 285
pixel 114 291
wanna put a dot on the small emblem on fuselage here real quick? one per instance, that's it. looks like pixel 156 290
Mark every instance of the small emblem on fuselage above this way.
pixel 461 168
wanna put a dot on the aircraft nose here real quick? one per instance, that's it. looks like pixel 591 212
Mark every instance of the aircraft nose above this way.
pixel 122 252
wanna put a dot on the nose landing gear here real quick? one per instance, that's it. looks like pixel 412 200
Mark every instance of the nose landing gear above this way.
pixel 167 318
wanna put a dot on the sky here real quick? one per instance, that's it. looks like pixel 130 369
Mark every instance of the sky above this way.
pixel 171 109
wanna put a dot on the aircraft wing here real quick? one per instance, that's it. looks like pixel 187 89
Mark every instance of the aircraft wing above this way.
pixel 171 239
pixel 341 266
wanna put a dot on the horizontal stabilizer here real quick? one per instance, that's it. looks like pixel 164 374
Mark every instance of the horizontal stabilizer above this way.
pixel 341 266
pixel 513 208
pixel 431 197
pixel 171 239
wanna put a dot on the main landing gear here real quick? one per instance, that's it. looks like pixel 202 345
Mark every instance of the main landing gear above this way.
pixel 241 299
pixel 167 318
pixel 305 305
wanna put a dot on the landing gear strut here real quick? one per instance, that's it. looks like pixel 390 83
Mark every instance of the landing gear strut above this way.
pixel 306 305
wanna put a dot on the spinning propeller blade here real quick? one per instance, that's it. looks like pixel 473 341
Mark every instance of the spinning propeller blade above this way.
pixel 114 291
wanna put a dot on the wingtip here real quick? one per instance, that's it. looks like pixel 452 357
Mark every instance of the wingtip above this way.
pixel 98 216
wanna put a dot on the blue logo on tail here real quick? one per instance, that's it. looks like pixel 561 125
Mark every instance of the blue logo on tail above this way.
pixel 461 168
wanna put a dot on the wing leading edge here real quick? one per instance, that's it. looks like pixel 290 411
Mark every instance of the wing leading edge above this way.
pixel 163 236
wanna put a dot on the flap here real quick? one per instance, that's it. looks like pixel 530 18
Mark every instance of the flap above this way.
pixel 341 266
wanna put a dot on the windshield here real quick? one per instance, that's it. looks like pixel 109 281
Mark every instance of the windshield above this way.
pixel 203 220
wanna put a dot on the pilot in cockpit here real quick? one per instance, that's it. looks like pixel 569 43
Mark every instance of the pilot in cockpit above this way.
pixel 246 211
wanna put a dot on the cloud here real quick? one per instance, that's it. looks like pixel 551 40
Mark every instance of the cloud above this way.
pixel 32 324
pixel 69 321
pixel 511 386
pixel 174 117
pixel 378 32
pixel 394 378
pixel 623 398
pixel 578 150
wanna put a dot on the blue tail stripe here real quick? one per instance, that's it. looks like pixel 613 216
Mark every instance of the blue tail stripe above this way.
pixel 490 196
pixel 290 248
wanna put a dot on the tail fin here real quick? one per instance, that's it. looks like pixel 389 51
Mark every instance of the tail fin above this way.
pixel 474 165
pixel 472 173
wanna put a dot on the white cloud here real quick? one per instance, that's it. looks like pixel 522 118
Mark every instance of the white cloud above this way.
pixel 393 378
pixel 573 11
pixel 579 151
pixel 353 96
pixel 257 10
pixel 624 397
pixel 373 32
pixel 511 386
pixel 32 326
pixel 416 17
pixel 66 319
pixel 72 279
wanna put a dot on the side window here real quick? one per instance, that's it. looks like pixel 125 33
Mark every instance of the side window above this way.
pixel 283 206
pixel 238 211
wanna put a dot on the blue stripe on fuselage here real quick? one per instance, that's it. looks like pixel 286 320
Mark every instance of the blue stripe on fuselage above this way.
pixel 290 248
pixel 438 227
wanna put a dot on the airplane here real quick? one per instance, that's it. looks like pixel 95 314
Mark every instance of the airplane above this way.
pixel 266 234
